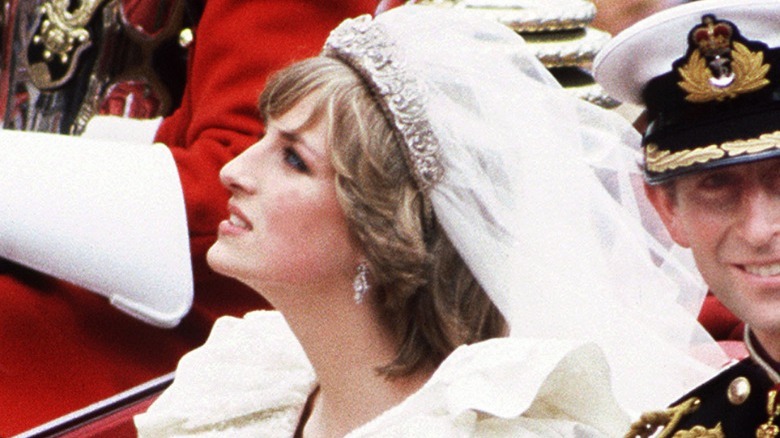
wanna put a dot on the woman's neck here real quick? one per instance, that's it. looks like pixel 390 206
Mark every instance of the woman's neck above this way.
pixel 345 343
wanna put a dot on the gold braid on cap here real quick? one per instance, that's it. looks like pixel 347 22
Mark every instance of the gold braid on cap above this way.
pixel 660 160
pixel 364 45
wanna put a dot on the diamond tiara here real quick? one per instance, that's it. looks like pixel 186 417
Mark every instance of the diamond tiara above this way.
pixel 364 45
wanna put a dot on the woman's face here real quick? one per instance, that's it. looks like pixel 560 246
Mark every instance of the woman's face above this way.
pixel 285 226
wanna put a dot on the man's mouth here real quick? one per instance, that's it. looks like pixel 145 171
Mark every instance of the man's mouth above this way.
pixel 768 270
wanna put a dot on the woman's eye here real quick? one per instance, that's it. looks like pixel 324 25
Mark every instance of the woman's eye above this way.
pixel 293 159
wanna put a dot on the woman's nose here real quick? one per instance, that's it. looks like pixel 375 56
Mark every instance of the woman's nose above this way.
pixel 235 174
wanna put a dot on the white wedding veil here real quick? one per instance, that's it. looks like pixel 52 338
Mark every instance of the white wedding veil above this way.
pixel 539 192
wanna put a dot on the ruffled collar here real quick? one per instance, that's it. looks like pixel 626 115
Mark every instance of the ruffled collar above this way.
pixel 252 377
pixel 510 378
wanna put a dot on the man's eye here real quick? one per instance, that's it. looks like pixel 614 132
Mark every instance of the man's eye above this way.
pixel 293 159
pixel 718 190
pixel 718 181
pixel 771 179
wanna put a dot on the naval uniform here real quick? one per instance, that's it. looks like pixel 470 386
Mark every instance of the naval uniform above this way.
pixel 741 401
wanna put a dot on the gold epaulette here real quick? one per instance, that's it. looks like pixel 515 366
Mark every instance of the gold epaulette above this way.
pixel 650 422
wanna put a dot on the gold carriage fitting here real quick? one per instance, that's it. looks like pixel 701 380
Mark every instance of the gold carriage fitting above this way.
pixel 65 61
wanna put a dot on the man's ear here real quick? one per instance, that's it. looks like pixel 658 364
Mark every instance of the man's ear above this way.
pixel 665 204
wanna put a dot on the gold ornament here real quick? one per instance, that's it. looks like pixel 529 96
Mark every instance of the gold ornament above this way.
pixel 749 73
pixel 62 30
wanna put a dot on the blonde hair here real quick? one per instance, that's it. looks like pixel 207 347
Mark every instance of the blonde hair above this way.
pixel 426 293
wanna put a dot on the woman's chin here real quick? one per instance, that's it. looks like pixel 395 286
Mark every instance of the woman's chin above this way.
pixel 218 260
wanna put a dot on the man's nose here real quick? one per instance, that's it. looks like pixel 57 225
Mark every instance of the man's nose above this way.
pixel 761 218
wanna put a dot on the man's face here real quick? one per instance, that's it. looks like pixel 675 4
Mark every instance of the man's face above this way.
pixel 730 218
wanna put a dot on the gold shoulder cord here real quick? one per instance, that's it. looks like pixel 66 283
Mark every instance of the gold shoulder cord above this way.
pixel 650 422
pixel 770 429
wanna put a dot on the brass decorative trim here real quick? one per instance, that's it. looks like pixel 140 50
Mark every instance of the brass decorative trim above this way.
pixel 63 37
pixel 749 75
pixel 61 30
pixel 659 161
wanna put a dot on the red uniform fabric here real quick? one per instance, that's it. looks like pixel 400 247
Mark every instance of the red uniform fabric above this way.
pixel 63 348
pixel 718 320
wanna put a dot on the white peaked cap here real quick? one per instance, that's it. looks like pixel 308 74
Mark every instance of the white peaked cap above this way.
pixel 106 216
pixel 647 49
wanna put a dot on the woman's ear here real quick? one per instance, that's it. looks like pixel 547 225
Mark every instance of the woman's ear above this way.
pixel 665 203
